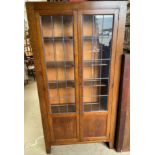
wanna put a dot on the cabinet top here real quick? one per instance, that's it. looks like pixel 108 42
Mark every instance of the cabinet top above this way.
pixel 78 5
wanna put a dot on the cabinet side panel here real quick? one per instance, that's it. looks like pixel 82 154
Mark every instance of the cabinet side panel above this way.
pixel 117 69
pixel 39 75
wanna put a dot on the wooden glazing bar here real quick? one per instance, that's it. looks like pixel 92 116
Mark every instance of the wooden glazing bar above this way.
pixel 97 95
pixel 60 64
pixel 50 39
pixel 61 84
pixel 95 63
pixel 71 63
pixel 93 38
pixel 86 103
pixel 65 108
pixel 95 83
pixel 57 104
pixel 71 83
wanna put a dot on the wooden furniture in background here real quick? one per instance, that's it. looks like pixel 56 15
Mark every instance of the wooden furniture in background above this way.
pixel 122 142
pixel 28 55
pixel 29 62
pixel 127 31
pixel 27 44
pixel 77 54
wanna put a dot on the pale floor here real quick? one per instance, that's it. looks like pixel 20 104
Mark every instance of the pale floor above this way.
pixel 34 141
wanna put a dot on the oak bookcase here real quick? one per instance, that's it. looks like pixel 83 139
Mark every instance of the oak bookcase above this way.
pixel 77 52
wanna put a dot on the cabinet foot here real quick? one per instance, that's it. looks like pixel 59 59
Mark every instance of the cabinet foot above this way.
pixel 111 145
pixel 48 149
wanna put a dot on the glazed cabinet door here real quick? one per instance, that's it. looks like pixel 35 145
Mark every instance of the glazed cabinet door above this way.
pixel 97 41
pixel 58 33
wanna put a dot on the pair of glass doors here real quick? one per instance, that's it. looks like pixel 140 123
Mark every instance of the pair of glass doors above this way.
pixel 59 49
pixel 79 60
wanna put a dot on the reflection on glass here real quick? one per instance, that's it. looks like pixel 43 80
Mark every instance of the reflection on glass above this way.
pixel 97 38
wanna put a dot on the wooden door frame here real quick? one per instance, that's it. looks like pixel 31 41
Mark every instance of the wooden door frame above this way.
pixel 115 13
pixel 75 47
pixel 37 45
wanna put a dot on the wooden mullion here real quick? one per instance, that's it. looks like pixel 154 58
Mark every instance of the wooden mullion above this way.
pixel 76 68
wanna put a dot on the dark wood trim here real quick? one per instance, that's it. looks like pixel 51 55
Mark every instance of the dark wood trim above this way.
pixel 124 104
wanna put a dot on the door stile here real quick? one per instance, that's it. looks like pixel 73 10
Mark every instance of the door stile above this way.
pixel 112 66
pixel 76 55
pixel 80 74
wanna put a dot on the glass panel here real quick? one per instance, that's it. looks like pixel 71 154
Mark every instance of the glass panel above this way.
pixel 97 38
pixel 57 34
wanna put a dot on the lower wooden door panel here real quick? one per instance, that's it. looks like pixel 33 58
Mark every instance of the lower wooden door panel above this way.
pixel 65 128
pixel 94 126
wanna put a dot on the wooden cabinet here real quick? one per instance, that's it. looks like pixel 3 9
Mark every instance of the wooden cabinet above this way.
pixel 77 50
